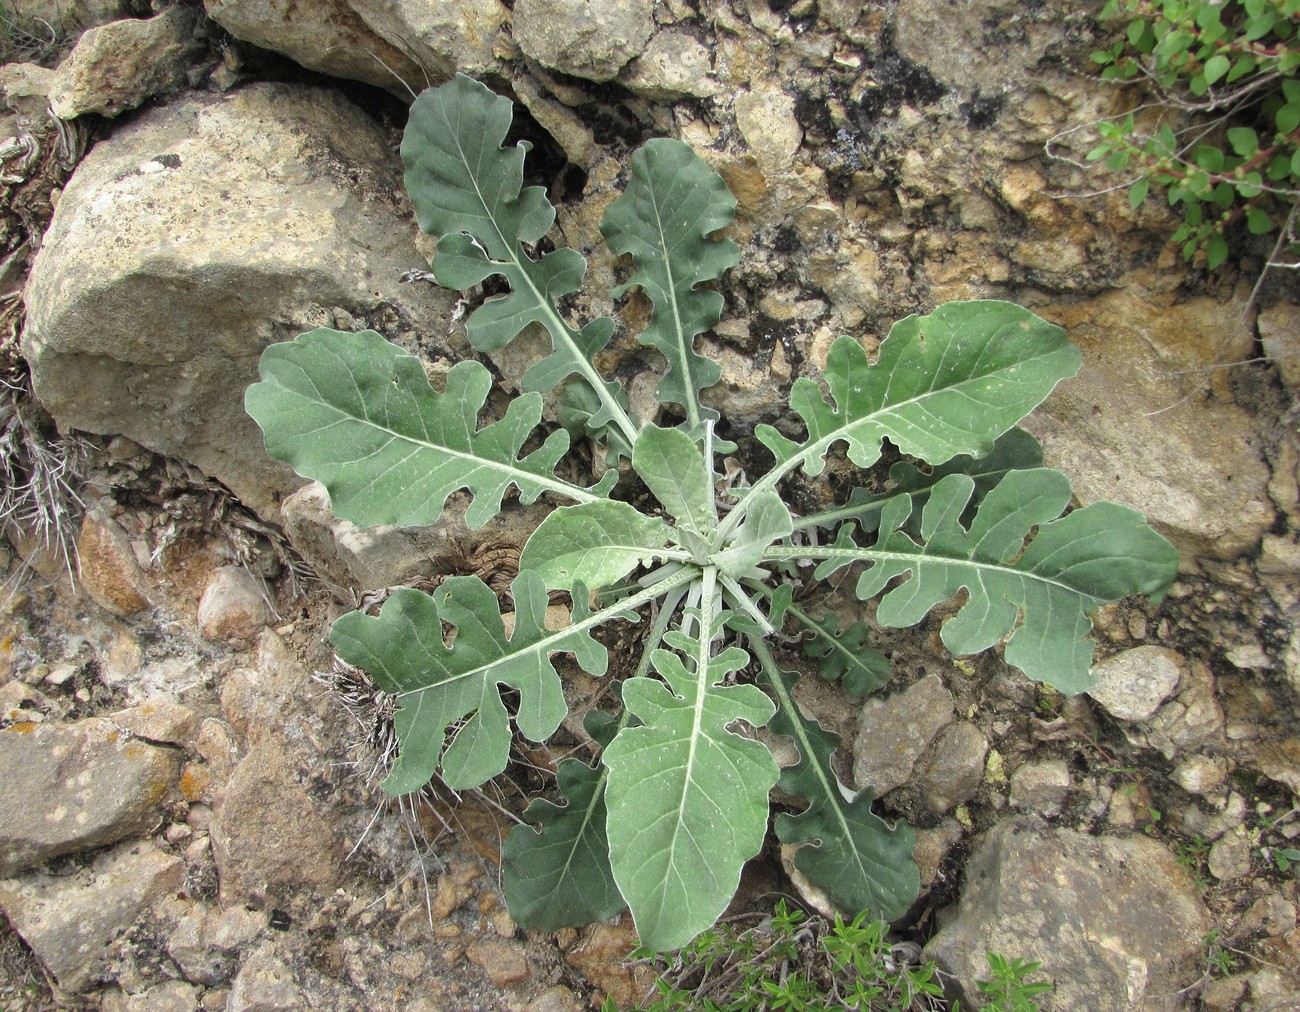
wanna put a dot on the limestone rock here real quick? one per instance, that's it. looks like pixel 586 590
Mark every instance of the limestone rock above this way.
pixel 121 65
pixel 767 121
pixel 1132 684
pixel 194 236
pixel 1040 786
pixel 159 721
pixel 932 847
pixel 1229 858
pixel 894 732
pixel 1116 921
pixel 1124 429
pixel 173 996
pixel 442 38
pixel 503 962
pixel 270 837
pixel 1280 761
pixel 69 920
pixel 326 35
pixel 1279 331
pixel 983 48
pixel 602 956
pixel 234 605
pixel 954 768
pixel 593 39
pixel 26 88
pixel 70 15
pixel 1273 914
pixel 265 984
pixel 207 943
pixel 1201 774
pixel 1188 722
pixel 109 571
pixel 674 65
pixel 71 787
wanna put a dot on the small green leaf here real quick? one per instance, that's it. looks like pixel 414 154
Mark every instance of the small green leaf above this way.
pixel 1258 222
pixel 1215 67
pixel 1250 185
pixel 438 685
pixel 1244 141
pixel 358 414
pixel 687 797
pixel 1164 142
pixel 1259 25
pixel 558 876
pixel 1216 251
pixel 597 543
pixel 674 469
pixel 1208 158
pixel 845 655
pixel 1288 117
pixel 861 862
pixel 1118 161
pixel 1138 192
pixel 672 205
pixel 767 521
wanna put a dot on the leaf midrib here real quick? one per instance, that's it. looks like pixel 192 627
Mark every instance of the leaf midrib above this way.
pixel 767 661
pixel 548 483
pixel 558 329
pixel 823 445
pixel 553 641
pixel 785 553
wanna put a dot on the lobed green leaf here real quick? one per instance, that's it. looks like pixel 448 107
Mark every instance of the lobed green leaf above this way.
pixel 945 384
pixel 357 413
pixel 559 876
pixel 858 859
pixel 687 797
pixel 664 218
pixel 468 191
pixel 1039 593
pixel 439 685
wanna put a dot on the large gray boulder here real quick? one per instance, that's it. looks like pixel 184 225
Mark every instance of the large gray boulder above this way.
pixel 1115 921
pixel 195 236
pixel 96 785
pixel 326 35
pixel 401 45
pixel 69 920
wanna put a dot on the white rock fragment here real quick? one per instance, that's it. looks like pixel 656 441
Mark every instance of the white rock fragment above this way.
pixel 1041 786
pixel 1133 684
pixel 234 606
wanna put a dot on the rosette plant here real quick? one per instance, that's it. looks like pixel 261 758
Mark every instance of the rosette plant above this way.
pixel 679 798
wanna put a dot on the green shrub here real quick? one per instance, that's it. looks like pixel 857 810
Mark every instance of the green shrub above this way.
pixel 1224 138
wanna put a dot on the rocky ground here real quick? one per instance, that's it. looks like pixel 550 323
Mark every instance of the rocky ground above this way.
pixel 188 810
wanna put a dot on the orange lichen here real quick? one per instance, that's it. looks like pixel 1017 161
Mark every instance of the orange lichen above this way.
pixel 23 726
pixel 194 783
